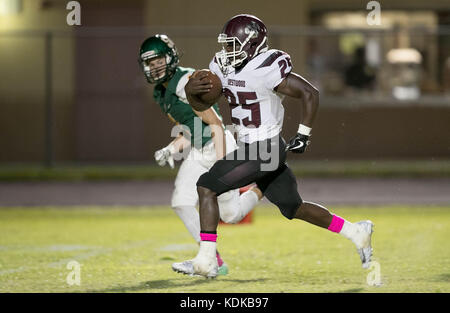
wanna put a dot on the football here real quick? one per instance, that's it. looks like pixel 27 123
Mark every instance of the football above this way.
pixel 214 94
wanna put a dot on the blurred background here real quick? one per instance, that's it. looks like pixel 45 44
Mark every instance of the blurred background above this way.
pixel 76 94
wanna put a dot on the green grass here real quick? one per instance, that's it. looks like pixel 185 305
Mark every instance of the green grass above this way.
pixel 305 168
pixel 130 249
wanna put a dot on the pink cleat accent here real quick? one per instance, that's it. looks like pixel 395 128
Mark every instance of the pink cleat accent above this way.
pixel 219 259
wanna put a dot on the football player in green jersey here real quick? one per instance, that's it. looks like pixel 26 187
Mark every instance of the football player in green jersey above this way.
pixel 159 60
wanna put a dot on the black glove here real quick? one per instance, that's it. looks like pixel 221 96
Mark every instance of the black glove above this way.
pixel 298 143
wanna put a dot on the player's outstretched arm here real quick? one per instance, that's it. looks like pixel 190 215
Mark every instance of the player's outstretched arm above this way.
pixel 165 155
pixel 297 87
pixel 211 118
pixel 180 143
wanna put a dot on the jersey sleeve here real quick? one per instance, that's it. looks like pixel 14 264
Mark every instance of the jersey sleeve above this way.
pixel 179 91
pixel 275 68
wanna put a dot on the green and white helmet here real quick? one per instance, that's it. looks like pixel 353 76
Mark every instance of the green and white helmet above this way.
pixel 154 47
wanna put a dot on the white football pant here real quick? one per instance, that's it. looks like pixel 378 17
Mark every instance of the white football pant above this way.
pixel 232 206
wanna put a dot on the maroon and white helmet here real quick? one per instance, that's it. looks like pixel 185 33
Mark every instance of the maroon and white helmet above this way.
pixel 243 37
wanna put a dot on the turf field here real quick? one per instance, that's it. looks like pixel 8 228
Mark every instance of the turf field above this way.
pixel 130 249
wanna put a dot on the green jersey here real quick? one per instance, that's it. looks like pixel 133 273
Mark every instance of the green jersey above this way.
pixel 173 102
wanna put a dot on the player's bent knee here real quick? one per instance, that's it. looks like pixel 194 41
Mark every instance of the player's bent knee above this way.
pixel 289 209
pixel 204 192
pixel 229 207
pixel 233 220
pixel 208 183
pixel 230 217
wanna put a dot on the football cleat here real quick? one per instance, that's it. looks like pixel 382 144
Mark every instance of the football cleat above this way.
pixel 205 266
pixel 223 270
pixel 185 267
pixel 363 242
pixel 195 268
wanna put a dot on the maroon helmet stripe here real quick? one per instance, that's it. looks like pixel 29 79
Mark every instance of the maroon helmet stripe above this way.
pixel 270 59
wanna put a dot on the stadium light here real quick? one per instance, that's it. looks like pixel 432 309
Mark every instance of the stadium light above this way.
pixel 405 55
pixel 10 7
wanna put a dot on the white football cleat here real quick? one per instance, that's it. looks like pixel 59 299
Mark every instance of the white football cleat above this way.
pixel 185 267
pixel 206 266
pixel 363 242
pixel 198 267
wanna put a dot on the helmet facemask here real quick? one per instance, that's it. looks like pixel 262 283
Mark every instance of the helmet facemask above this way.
pixel 158 72
pixel 232 54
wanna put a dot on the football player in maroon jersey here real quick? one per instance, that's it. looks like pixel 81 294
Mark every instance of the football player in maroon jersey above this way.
pixel 255 80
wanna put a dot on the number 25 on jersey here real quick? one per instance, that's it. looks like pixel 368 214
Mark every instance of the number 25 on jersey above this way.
pixel 254 118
